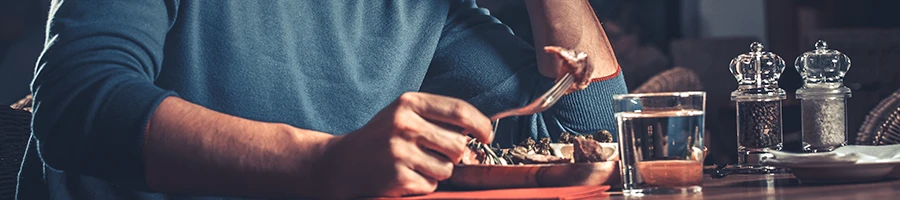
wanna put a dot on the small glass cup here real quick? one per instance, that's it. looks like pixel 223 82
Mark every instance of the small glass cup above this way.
pixel 661 142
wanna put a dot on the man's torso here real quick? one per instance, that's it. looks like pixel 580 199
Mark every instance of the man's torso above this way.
pixel 322 65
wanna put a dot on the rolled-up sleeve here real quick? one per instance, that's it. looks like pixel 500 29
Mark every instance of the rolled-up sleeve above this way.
pixel 480 60
pixel 93 86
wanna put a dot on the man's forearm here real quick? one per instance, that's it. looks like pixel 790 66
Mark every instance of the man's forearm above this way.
pixel 570 24
pixel 197 151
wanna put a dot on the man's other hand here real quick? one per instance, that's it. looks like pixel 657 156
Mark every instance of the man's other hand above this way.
pixel 405 149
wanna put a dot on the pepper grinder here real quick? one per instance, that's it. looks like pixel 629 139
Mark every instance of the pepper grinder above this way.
pixel 823 98
pixel 758 100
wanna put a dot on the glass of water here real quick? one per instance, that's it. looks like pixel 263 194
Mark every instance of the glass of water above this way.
pixel 661 142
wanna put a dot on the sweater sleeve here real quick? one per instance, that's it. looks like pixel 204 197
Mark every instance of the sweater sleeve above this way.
pixel 93 86
pixel 480 60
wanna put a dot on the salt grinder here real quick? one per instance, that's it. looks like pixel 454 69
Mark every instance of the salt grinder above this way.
pixel 823 98
pixel 758 100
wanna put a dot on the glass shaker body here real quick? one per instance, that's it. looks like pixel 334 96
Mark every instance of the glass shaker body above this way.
pixel 759 125
pixel 758 102
pixel 824 123
pixel 823 98
pixel 759 129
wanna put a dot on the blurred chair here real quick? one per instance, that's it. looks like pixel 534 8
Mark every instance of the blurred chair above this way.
pixel 882 125
pixel 15 131
pixel 21 167
pixel 677 79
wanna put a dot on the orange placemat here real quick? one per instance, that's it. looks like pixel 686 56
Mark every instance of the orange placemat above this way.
pixel 571 192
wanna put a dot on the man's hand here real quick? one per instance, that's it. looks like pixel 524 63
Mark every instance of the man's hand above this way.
pixel 405 149
pixel 574 62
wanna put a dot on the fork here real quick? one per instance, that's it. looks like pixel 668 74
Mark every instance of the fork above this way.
pixel 538 105
pixel 541 103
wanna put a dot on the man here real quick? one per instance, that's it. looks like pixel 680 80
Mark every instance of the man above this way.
pixel 297 99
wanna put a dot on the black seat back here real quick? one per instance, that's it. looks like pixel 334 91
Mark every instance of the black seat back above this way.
pixel 21 169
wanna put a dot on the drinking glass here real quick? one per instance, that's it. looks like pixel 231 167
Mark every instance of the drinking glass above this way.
pixel 661 142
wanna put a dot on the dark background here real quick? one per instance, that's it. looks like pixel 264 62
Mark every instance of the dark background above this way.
pixel 649 36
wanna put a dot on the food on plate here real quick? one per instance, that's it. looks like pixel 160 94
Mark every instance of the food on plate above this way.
pixel 565 138
pixel 543 159
pixel 603 136
pixel 576 137
pixel 543 147
pixel 592 151
pixel 479 153
pixel 472 157
pixel 528 143
pixel 586 149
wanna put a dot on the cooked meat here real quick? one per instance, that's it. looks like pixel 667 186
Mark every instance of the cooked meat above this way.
pixel 565 138
pixel 543 147
pixel 577 136
pixel 472 157
pixel 528 143
pixel 588 150
pixel 603 136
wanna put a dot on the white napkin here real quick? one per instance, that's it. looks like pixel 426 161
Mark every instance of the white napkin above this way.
pixel 844 155
pixel 886 152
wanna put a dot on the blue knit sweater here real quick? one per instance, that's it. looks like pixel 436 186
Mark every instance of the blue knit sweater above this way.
pixel 321 65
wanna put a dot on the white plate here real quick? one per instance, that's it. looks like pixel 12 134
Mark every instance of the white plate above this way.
pixel 839 172
pixel 843 165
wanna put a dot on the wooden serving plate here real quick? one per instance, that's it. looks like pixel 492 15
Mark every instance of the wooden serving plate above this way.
pixel 475 177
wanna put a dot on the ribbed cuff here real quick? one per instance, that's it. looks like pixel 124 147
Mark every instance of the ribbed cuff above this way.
pixel 121 126
pixel 611 76
pixel 589 110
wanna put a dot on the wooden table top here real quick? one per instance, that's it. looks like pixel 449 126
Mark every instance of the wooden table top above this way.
pixel 781 186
